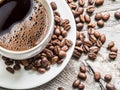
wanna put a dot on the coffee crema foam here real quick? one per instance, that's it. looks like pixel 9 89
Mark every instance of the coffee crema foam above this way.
pixel 28 33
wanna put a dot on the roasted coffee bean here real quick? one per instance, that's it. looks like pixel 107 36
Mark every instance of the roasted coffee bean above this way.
pixel 44 62
pixel 77 19
pixel 91 25
pixel 106 16
pixel 16 67
pixel 57 31
pixel 9 62
pixel 99 43
pixel 81 2
pixel 38 62
pixel 78 35
pixel 81 86
pixel 100 23
pixel 60 88
pixel 67 27
pixel 82 19
pixel 29 67
pixel 76 83
pixel 69 1
pixel 88 43
pixel 80 10
pixel 79 26
pixel 114 49
pixel 57 19
pixel 92 38
pixel 60 61
pixel 57 13
pixel 98 16
pixel 65 48
pixel 53 5
pixel 102 38
pixel 90 2
pixel 82 37
pixel 48 67
pixel 94 49
pixel 73 5
pixel 117 15
pixel 110 86
pixel 76 54
pixel 112 55
pixel 99 2
pixel 41 70
pixel 97 76
pixel 83 69
pixel 107 77
pixel 91 31
pixel 64 33
pixel 75 13
pixel 64 22
pixel 79 49
pixel 62 54
pixel 92 55
pixel 11 70
pixel 5 58
pixel 68 43
pixel 96 34
pixel 110 45
pixel 85 48
pixel 78 43
pixel 82 76
pixel 54 59
pixel 90 9
pixel 25 62
pixel 87 18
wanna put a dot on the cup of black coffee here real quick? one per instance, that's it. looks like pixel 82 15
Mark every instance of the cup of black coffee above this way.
pixel 26 27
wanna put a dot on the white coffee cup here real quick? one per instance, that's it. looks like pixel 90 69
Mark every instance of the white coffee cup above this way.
pixel 20 55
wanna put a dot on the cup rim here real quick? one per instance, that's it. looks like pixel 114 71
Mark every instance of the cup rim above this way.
pixel 50 28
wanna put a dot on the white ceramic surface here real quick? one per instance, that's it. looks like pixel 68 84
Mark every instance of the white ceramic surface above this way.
pixel 28 79
pixel 37 49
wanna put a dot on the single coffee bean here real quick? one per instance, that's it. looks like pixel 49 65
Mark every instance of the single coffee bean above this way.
pixel 107 77
pixel 90 9
pixel 92 38
pixel 79 49
pixel 86 49
pixel 53 5
pixel 76 54
pixel 54 59
pixel 82 76
pixel 79 26
pixel 102 38
pixel 113 49
pixel 117 15
pixel 92 56
pixel 98 16
pixel 110 86
pixel 78 43
pixel 81 2
pixel 110 45
pixel 29 67
pixel 106 16
pixel 97 76
pixel 87 18
pixel 88 43
pixel 76 83
pixel 77 19
pixel 60 88
pixel 83 69
pixel 100 23
pixel 99 43
pixel 25 62
pixel 41 70
pixel 62 54
pixel 16 67
pixel 9 62
pixel 75 13
pixel 99 2
pixel 94 49
pixel 91 31
pixel 82 18
pixel 80 10
pixel 91 25
pixel 112 55
pixel 96 34
pixel 11 70
pixel 73 5
pixel 81 86
pixel 90 2
pixel 60 61
pixel 65 48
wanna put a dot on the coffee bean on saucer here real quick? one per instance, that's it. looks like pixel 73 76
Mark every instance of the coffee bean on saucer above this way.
pixel 110 45
pixel 87 18
pixel 53 5
pixel 106 16
pixel 91 25
pixel 80 10
pixel 60 88
pixel 100 23
pixel 110 86
pixel 117 15
pixel 81 2
pixel 107 77
pixel 16 67
pixel 97 76
pixel 99 2
pixel 76 83
pixel 90 9
pixel 62 54
pixel 83 69
pixel 81 86
pixel 41 70
pixel 98 16
pixel 77 19
pixel 82 76
pixel 11 70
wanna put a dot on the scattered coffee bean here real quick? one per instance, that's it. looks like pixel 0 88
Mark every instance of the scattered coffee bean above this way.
pixel 87 18
pixel 99 2
pixel 97 76
pixel 82 76
pixel 94 49
pixel 60 88
pixel 82 18
pixel 81 2
pixel 86 49
pixel 80 10
pixel 117 15
pixel 11 70
pixel 90 9
pixel 79 26
pixel 102 38
pixel 114 49
pixel 96 34
pixel 99 43
pixel 106 16
pixel 77 19
pixel 100 23
pixel 92 55
pixel 90 2
pixel 81 86
pixel 98 16
pixel 76 83
pixel 69 1
pixel 92 38
pixel 91 25
pixel 83 69
pixel 107 77
pixel 41 70
pixel 110 45
pixel 62 54
pixel 16 67
pixel 88 43
pixel 110 86
pixel 73 5
pixel 53 5
pixel 112 55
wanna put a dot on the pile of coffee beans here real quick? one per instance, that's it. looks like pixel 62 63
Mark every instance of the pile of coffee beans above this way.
pixel 55 52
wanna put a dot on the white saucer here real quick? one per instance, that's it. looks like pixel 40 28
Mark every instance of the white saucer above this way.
pixel 28 79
